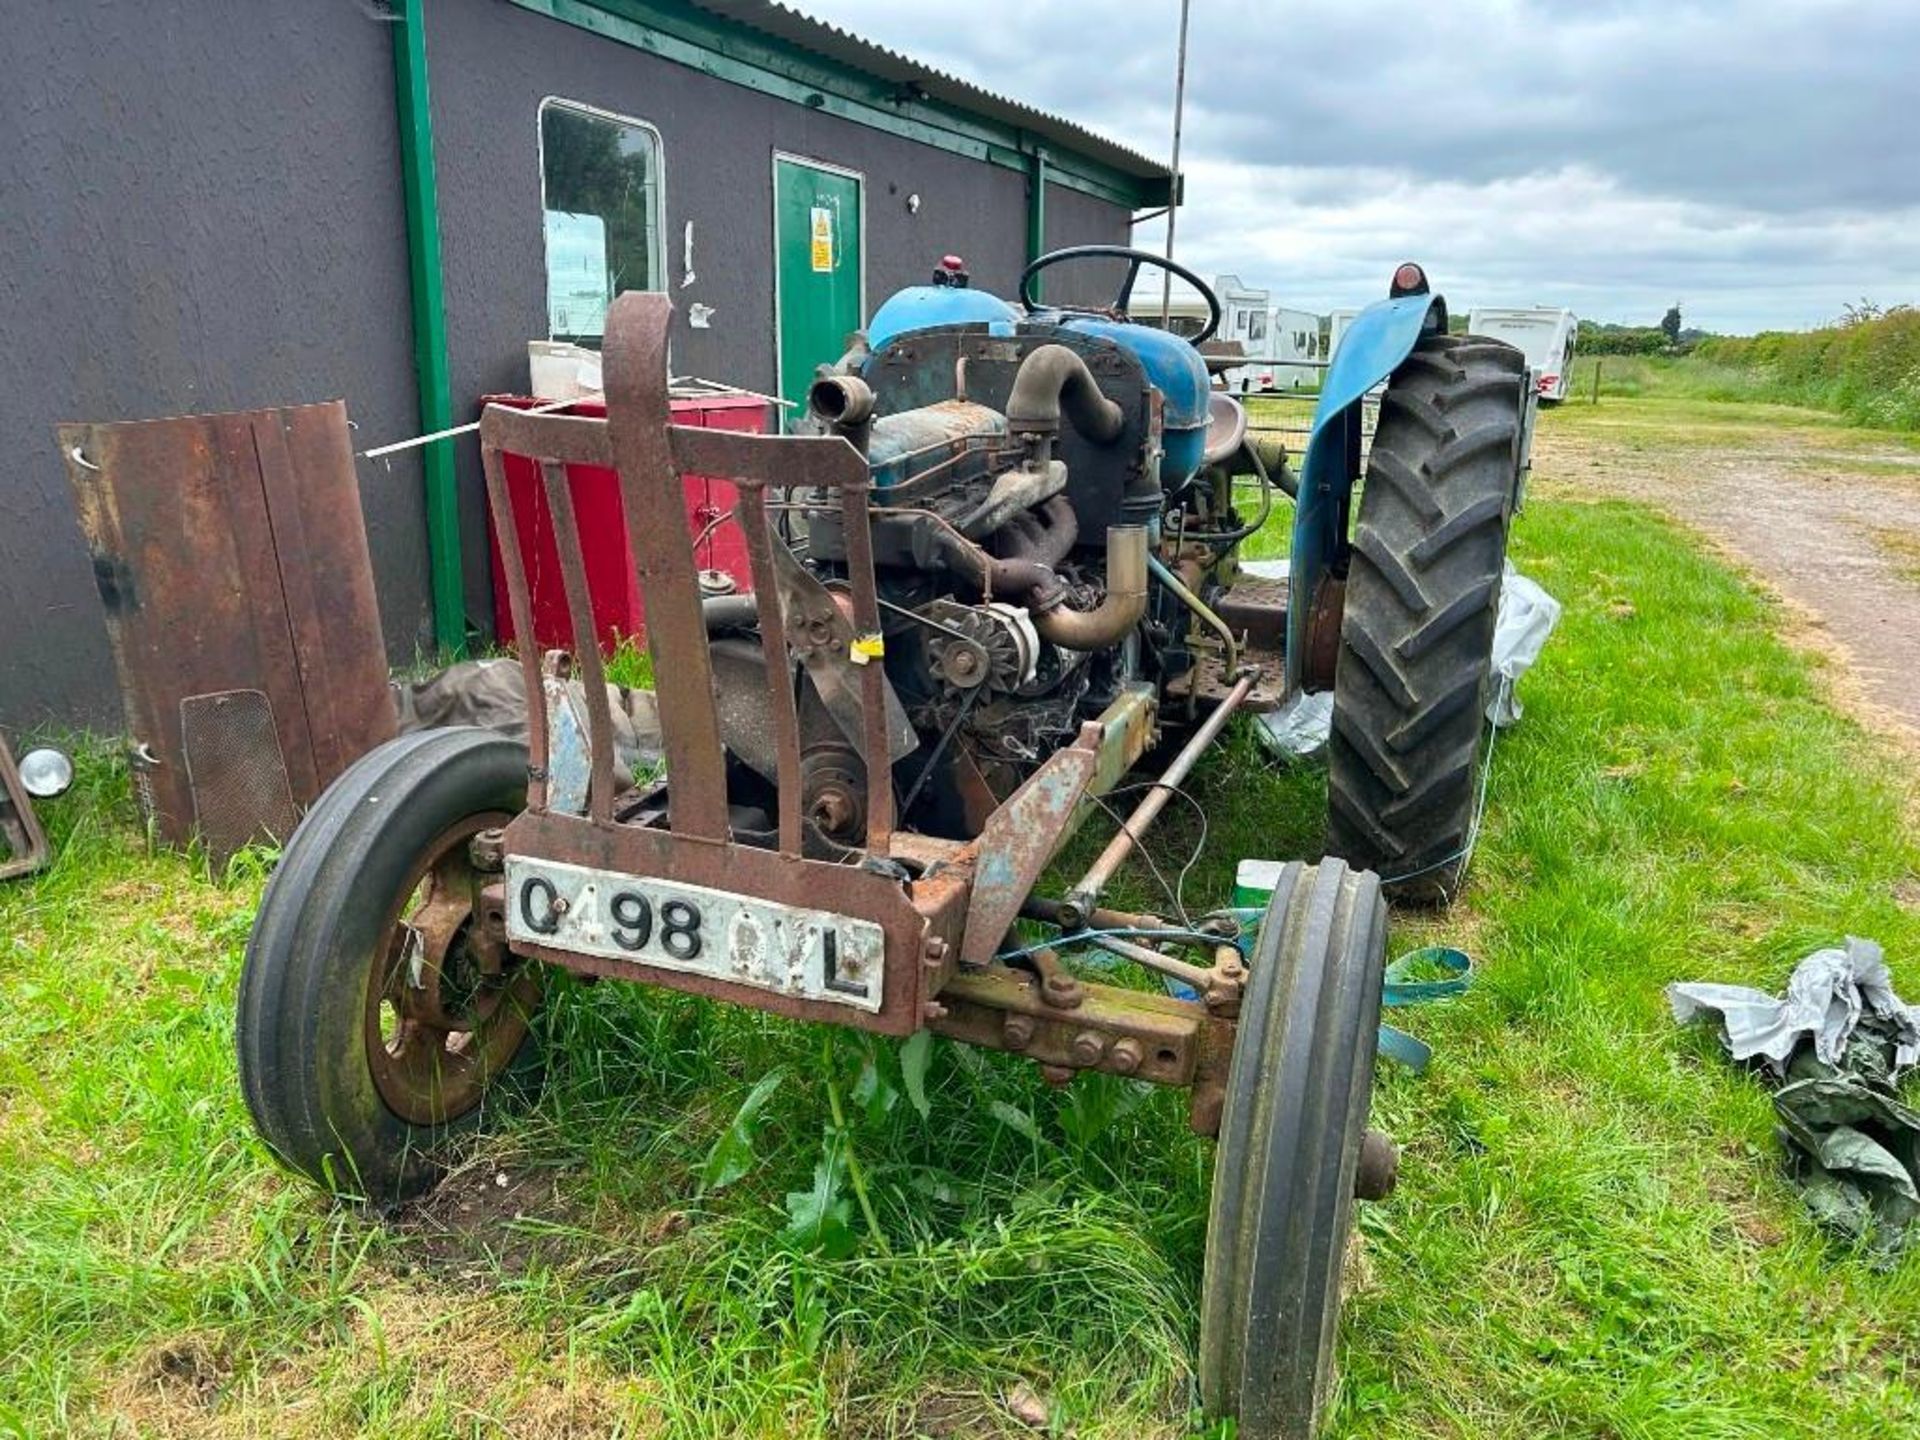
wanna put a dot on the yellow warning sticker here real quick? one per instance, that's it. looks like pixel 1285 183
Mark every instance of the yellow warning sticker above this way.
pixel 822 239
pixel 867 647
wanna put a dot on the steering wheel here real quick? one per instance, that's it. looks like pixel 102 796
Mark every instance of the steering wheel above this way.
pixel 1118 310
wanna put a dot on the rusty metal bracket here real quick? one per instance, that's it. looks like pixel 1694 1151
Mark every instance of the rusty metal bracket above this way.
pixel 1122 1032
pixel 1020 838
pixel 23 844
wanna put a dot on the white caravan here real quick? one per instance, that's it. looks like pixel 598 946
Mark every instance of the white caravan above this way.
pixel 1544 335
pixel 1243 317
pixel 1290 359
pixel 1243 322
pixel 1337 322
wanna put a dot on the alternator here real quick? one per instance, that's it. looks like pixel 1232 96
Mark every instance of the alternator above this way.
pixel 993 644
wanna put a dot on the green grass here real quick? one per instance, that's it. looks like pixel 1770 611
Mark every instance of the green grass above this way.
pixel 1591 1237
pixel 1889 405
pixel 1866 366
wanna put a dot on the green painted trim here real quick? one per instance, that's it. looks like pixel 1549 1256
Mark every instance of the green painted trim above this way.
pixel 429 324
pixel 771 66
pixel 1037 213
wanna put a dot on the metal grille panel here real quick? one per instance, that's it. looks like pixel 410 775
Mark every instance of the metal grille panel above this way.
pixel 236 772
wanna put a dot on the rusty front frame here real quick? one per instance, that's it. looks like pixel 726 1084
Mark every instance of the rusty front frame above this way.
pixel 921 891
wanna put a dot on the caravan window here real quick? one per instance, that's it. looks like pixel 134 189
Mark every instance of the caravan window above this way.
pixel 600 187
pixel 1257 326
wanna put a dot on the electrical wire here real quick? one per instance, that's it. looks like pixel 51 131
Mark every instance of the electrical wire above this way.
pixel 946 738
pixel 1175 893
pixel 1465 853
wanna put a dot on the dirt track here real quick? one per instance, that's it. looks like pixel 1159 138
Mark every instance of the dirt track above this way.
pixel 1828 518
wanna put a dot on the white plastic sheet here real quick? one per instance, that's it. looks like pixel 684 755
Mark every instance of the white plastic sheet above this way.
pixel 1527 617
pixel 1298 729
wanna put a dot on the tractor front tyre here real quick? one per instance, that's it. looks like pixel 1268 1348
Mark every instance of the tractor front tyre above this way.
pixel 376 1007
pixel 1416 637
pixel 1293 1151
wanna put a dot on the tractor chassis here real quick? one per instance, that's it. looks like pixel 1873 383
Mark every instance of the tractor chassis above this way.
pixel 942 908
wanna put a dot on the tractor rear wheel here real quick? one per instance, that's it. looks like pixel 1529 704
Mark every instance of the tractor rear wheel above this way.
pixel 1292 1136
pixel 1416 638
pixel 376 1007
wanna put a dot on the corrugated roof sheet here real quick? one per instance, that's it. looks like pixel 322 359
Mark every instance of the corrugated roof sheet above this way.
pixel 786 23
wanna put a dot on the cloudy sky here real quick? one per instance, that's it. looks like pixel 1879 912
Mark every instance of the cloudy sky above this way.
pixel 1756 160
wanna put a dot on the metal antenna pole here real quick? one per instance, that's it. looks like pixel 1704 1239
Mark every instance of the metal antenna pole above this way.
pixel 1173 198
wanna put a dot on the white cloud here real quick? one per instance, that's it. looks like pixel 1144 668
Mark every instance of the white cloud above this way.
pixel 1750 160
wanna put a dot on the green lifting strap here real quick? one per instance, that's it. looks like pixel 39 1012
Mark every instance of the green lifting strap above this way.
pixel 1457 974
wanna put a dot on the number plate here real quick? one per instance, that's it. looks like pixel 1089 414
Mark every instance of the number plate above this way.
pixel 783 948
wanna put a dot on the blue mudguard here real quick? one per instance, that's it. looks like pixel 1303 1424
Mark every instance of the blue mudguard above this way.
pixel 1375 342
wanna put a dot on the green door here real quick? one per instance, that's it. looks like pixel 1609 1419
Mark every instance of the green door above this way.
pixel 819 282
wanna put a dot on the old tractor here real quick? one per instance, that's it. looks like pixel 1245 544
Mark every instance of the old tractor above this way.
pixel 1001 576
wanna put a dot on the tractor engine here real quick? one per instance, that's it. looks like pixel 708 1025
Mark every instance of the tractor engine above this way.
pixel 1028 472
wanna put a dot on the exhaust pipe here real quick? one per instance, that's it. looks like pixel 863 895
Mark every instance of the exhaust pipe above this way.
pixel 1052 379
pixel 845 403
pixel 1123 608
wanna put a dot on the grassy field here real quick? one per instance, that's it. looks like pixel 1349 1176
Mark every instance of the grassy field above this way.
pixel 1706 376
pixel 1591 1236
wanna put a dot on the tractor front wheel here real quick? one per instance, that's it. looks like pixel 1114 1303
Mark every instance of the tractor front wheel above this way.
pixel 1423 592
pixel 1290 1159
pixel 377 1008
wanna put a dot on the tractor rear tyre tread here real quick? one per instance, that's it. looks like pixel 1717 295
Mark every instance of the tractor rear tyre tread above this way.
pixel 1298 1091
pixel 323 920
pixel 1423 590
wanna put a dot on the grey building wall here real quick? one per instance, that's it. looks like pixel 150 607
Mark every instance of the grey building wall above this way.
pixel 200 210
pixel 1074 218
pixel 493 63
pixel 203 212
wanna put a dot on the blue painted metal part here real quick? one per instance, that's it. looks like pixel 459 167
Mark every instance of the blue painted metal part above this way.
pixel 1375 342
pixel 1175 369
pixel 569 748
pixel 1173 366
pixel 920 307
pixel 906 445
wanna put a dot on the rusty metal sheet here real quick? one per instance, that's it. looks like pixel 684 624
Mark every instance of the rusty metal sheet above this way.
pixel 1019 839
pixel 635 367
pixel 586 639
pixel 751 508
pixel 497 431
pixel 230 554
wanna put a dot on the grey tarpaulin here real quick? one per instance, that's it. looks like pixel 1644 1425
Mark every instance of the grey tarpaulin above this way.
pixel 1839 1040
pixel 1826 997
pixel 493 694
pixel 1298 729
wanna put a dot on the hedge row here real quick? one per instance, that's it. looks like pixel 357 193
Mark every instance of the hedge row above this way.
pixel 1866 369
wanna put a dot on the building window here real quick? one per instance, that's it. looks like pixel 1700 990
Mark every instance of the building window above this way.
pixel 600 186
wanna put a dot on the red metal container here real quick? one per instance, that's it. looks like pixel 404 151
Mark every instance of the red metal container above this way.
pixel 618 606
